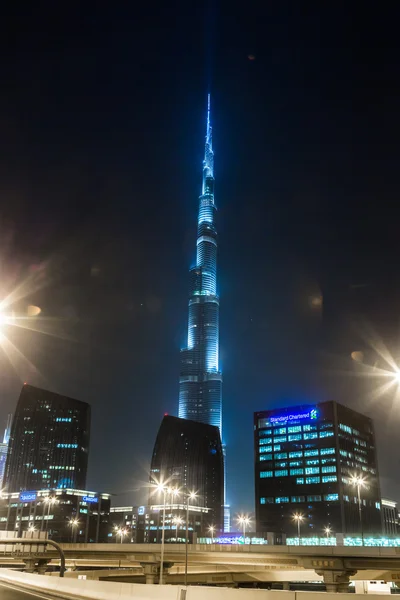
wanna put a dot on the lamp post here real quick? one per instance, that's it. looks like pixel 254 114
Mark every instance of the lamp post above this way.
pixel 359 481
pixel 189 497
pixel 211 529
pixel 244 520
pixel 74 524
pixel 173 492
pixel 31 529
pixel 50 502
pixel 299 518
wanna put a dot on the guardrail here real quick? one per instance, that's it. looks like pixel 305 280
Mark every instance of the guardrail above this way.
pixel 33 542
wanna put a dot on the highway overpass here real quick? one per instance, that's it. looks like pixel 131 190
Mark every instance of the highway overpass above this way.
pixel 220 564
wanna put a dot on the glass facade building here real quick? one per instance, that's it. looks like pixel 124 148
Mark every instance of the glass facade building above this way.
pixel 305 457
pixel 200 390
pixel 49 442
pixel 188 455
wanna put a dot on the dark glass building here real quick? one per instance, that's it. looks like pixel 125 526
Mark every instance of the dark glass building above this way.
pixel 200 390
pixel 188 455
pixel 49 442
pixel 305 457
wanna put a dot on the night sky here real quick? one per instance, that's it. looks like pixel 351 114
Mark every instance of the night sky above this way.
pixel 102 123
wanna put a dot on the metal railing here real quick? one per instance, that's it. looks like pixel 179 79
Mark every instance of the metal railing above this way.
pixel 33 542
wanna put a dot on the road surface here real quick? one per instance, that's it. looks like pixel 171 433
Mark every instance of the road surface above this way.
pixel 8 593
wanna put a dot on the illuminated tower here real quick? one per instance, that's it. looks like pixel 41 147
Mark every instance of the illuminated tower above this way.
pixel 4 449
pixel 200 389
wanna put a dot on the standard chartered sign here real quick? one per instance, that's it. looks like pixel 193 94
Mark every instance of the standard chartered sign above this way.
pixel 311 414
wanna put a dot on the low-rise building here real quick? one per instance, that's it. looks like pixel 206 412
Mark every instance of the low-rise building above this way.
pixel 390 516
pixel 143 524
pixel 66 515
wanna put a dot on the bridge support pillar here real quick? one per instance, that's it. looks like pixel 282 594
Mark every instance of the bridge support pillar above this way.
pixel 152 571
pixel 336 580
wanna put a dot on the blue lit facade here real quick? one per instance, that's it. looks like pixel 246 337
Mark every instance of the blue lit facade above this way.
pixel 200 393
pixel 4 449
pixel 304 460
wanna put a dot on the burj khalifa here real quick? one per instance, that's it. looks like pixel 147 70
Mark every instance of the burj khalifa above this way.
pixel 200 386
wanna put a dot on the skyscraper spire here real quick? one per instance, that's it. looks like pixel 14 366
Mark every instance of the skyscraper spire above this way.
pixel 200 393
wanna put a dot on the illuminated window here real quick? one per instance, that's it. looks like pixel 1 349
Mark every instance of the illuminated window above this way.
pixel 280 431
pixel 281 473
pixel 309 427
pixel 298 499
pixel 300 480
pixel 265 449
pixel 266 457
pixel 295 429
pixel 345 428
pixel 280 456
pixel 328 461
pixel 281 438
pixel 277 448
pixel 281 465
pixel 329 479
pixel 326 425
pixel 268 500
pixel 312 470
pixel 311 453
pixel 325 434
pixel 314 498
pixel 296 463
pixel 378 505
pixel 297 471
pixel 265 432
pixel 265 441
pixel 313 479
pixel 331 469
pixel 265 474
pixel 295 454
pixel 310 436
pixel 325 451
pixel 331 497
pixel 312 461
pixel 295 437
pixel 281 499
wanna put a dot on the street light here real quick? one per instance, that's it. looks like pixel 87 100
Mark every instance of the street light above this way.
pixel 178 521
pixel 74 524
pixel 244 520
pixel 172 492
pixel 299 518
pixel 328 531
pixel 211 529
pixel 359 481
pixel 190 496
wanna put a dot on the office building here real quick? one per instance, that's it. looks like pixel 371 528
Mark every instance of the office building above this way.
pixel 143 524
pixel 305 461
pixel 4 449
pixel 188 455
pixel 49 442
pixel 390 517
pixel 66 515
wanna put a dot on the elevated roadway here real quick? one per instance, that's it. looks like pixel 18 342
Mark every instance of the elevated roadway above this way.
pixel 335 565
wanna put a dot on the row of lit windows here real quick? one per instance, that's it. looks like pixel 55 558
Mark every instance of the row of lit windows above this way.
pixel 299 499
pixel 296 454
pixel 309 480
pixel 67 445
pixel 63 420
pixel 294 438
pixel 306 471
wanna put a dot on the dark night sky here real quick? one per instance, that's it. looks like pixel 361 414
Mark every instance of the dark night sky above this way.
pixel 102 111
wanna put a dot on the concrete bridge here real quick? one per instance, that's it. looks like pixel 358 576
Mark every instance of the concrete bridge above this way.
pixel 219 564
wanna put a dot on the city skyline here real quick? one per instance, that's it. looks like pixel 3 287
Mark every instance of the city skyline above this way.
pixel 102 131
